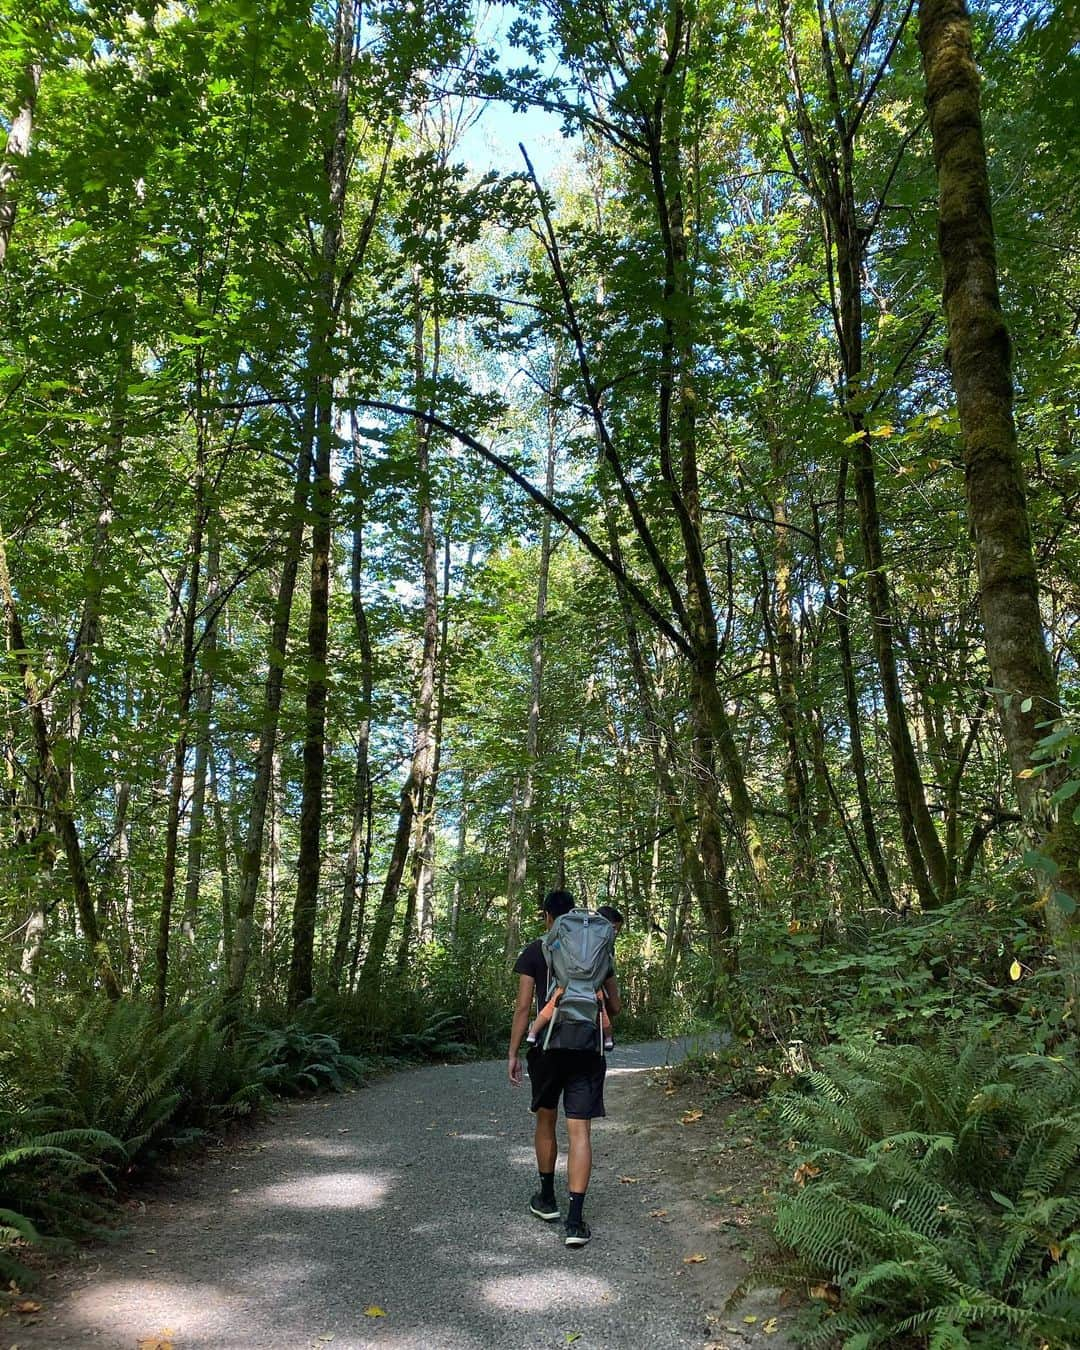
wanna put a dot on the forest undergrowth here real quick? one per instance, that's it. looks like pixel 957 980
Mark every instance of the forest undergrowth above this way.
pixel 93 1095
pixel 921 1089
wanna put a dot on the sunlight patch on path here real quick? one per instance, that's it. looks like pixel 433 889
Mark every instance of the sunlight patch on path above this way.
pixel 135 1308
pixel 331 1190
pixel 545 1291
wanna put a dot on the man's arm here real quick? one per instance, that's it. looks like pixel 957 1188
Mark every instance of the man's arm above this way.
pixel 522 1010
pixel 612 997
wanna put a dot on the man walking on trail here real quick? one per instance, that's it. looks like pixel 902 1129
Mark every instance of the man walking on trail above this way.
pixel 574 1074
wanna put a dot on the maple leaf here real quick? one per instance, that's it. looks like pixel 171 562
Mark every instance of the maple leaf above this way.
pixel 26 1306
pixel 829 1293
pixel 805 1172
pixel 694 1259
pixel 691 1117
pixel 657 1213
pixel 163 1341
pixel 373 1310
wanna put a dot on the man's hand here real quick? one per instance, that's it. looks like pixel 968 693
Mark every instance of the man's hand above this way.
pixel 514 1066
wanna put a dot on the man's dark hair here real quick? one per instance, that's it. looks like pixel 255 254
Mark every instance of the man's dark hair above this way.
pixel 611 914
pixel 557 902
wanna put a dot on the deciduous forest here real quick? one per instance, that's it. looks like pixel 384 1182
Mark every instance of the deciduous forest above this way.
pixel 679 507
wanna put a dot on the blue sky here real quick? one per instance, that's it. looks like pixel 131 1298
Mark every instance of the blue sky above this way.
pixel 492 141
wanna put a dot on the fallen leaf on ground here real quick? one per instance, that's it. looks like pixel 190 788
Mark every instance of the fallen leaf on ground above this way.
pixel 572 1336
pixel 750 1318
pixel 804 1172
pixel 829 1292
pixel 770 1326
pixel 691 1117
pixel 27 1306
pixel 373 1310
pixel 657 1213
pixel 629 1181
pixel 694 1259
pixel 162 1342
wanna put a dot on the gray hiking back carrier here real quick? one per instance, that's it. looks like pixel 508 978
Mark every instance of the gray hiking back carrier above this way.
pixel 579 948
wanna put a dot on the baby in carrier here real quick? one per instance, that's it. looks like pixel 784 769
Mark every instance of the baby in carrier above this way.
pixel 550 1009
pixel 547 1012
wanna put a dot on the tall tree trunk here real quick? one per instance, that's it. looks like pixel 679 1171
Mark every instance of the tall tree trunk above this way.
pixel 677 433
pixel 179 760
pixel 221 835
pixel 322 368
pixel 425 880
pixel 18 147
pixel 459 858
pixel 997 510
pixel 204 706
pixel 829 173
pixel 262 784
pixel 63 808
pixel 777 607
pixel 838 604
pixel 417 779
pixel 362 772
pixel 519 831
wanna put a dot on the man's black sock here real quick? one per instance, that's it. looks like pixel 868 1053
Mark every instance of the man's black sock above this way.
pixel 547 1185
pixel 577 1200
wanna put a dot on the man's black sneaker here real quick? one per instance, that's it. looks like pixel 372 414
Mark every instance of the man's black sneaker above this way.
pixel 544 1209
pixel 577 1234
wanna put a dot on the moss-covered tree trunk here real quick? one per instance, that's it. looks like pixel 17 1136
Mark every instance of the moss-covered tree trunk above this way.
pixel 309 861
pixel 980 360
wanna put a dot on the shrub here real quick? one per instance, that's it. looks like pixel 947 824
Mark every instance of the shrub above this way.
pixel 937 1196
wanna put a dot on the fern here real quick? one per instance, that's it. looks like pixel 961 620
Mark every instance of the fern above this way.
pixel 944 1200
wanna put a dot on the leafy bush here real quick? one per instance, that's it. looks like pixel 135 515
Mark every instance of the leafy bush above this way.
pixel 902 976
pixel 292 1060
pixel 87 1099
pixel 937 1196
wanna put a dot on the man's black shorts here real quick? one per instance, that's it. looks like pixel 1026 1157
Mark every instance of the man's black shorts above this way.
pixel 575 1075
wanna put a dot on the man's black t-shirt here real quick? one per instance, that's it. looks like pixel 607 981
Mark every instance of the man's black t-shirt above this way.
pixel 531 962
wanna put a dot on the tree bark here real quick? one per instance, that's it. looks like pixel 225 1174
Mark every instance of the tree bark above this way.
pixel 187 680
pixel 980 360
pixel 204 706
pixel 251 860
pixel 322 369
pixel 18 147
pixel 362 799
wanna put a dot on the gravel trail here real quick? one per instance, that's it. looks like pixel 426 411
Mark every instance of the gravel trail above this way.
pixel 409 1197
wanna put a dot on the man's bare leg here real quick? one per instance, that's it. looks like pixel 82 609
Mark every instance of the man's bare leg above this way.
pixel 579 1163
pixel 543 1204
pixel 579 1169
pixel 547 1145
